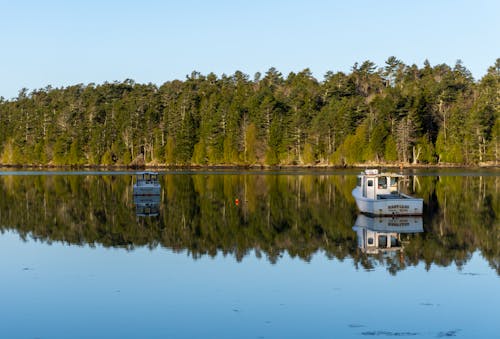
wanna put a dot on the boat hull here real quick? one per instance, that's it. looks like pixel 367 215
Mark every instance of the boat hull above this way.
pixel 402 205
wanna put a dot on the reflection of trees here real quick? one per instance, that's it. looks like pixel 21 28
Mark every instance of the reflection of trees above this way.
pixel 275 214
pixel 467 220
pixel 299 214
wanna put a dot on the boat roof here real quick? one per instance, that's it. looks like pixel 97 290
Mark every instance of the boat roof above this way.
pixel 375 173
pixel 146 172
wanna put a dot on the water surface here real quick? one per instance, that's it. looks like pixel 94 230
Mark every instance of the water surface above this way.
pixel 247 255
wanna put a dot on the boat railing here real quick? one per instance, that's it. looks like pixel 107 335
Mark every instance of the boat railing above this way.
pixel 148 178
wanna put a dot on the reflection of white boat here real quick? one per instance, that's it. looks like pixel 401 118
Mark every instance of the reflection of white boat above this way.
pixel 147 184
pixel 399 224
pixel 147 205
pixel 378 194
pixel 376 234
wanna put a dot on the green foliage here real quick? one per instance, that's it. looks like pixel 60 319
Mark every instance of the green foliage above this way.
pixel 75 156
pixel 493 152
pixel 107 159
pixel 60 151
pixel 447 151
pixel 250 156
pixel 39 154
pixel 377 142
pixel 230 152
pixel 126 157
pixel 169 151
pixel 275 145
pixel 308 155
pixel 425 150
pixel 408 114
pixel 10 154
pixel 185 140
pixel 199 154
pixel 271 157
pixel 390 152
pixel 352 150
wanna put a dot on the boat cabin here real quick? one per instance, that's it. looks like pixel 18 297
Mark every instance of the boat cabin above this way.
pixel 146 178
pixel 147 184
pixel 378 186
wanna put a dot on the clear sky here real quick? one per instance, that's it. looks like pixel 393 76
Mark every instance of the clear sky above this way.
pixel 61 43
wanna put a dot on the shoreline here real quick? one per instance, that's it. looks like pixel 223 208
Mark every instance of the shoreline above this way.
pixel 248 167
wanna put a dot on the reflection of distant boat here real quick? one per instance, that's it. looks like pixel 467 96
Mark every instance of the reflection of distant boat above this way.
pixel 147 205
pixel 378 194
pixel 147 184
pixel 383 234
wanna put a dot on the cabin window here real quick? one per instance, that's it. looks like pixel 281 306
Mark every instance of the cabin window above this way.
pixel 370 241
pixel 394 181
pixel 370 183
pixel 394 241
pixel 358 182
pixel 382 241
pixel 382 182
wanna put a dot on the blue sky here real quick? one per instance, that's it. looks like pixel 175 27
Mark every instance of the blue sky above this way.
pixel 60 43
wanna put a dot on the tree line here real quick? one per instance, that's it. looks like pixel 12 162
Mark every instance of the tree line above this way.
pixel 388 115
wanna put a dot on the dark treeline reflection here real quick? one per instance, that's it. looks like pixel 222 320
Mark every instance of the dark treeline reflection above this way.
pixel 265 214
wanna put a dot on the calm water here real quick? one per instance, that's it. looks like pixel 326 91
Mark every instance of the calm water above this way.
pixel 246 255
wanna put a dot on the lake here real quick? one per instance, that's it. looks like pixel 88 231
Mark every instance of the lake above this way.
pixel 257 254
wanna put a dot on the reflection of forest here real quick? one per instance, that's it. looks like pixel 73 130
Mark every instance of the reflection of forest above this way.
pixel 299 214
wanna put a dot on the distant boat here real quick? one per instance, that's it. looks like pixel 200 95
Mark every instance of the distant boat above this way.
pixel 383 234
pixel 146 184
pixel 378 194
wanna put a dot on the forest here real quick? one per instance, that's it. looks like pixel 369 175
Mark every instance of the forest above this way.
pixel 397 114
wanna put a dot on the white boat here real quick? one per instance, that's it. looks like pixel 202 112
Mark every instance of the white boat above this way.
pixel 383 234
pixel 378 194
pixel 147 184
